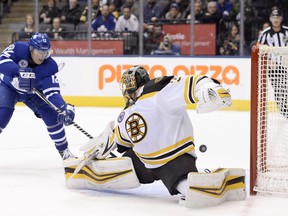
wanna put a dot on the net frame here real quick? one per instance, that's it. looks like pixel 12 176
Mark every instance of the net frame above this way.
pixel 266 177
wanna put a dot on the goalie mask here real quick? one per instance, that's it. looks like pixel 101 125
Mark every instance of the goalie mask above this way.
pixel 131 80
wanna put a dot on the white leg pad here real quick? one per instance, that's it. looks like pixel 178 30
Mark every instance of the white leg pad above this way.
pixel 108 174
pixel 210 189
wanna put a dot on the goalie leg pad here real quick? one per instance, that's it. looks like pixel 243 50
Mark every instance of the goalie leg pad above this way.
pixel 108 174
pixel 210 189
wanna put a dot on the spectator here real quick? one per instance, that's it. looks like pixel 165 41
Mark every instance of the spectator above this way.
pixel 198 11
pixel 153 35
pixel 118 4
pixel 134 5
pixel 49 11
pixel 28 29
pixel 265 25
pixel 103 2
pixel 225 7
pixel 212 15
pixel 173 15
pixel 105 22
pixel 182 4
pixel 58 32
pixel 113 10
pixel 254 42
pixel 96 11
pixel 167 47
pixel 152 11
pixel 71 13
pixel 127 21
pixel 231 42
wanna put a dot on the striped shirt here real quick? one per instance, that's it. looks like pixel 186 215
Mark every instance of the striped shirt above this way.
pixel 271 38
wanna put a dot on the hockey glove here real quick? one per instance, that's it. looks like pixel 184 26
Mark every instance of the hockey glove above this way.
pixel 25 81
pixel 212 96
pixel 67 114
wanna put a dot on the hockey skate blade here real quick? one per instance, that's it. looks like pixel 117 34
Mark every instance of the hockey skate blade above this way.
pixel 211 189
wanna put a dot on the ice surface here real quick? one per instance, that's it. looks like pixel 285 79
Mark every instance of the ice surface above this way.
pixel 32 179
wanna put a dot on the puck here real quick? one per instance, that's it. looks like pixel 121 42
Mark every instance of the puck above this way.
pixel 202 148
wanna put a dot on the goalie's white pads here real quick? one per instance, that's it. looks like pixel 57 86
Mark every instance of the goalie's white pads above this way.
pixel 211 96
pixel 210 189
pixel 100 147
pixel 108 174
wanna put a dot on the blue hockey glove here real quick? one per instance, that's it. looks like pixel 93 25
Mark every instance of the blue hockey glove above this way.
pixel 67 115
pixel 25 81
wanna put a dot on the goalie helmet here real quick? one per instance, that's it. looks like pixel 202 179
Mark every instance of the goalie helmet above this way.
pixel 131 80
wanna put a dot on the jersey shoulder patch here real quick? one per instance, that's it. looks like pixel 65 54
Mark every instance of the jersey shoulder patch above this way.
pixel 121 117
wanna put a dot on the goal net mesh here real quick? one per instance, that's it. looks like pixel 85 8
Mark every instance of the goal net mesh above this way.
pixel 272 121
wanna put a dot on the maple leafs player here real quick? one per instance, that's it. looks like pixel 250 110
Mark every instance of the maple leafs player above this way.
pixel 23 67
pixel 155 131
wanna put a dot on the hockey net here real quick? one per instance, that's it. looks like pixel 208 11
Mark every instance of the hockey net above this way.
pixel 269 120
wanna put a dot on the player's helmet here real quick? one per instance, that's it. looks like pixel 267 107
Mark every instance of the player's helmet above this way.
pixel 40 41
pixel 131 80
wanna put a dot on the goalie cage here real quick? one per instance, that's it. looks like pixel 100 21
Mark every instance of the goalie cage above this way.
pixel 269 121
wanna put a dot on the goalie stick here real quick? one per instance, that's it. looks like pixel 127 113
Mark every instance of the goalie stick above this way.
pixel 59 111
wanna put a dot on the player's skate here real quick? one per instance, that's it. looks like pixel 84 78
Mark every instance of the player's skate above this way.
pixel 210 189
pixel 66 154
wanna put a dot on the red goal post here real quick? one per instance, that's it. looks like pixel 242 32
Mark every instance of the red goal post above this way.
pixel 269 120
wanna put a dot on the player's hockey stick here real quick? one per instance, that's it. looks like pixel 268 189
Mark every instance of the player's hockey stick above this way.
pixel 59 111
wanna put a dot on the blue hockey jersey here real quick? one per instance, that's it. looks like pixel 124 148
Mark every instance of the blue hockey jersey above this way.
pixel 17 56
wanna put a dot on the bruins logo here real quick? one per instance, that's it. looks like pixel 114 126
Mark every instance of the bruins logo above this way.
pixel 136 127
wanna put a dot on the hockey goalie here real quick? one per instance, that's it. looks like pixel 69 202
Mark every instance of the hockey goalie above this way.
pixel 155 137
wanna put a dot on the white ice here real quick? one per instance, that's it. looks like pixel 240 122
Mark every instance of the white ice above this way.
pixel 32 179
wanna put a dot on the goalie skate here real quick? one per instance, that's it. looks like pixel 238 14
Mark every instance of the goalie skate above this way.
pixel 210 189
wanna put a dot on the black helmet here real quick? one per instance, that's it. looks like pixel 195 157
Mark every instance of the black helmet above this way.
pixel 131 80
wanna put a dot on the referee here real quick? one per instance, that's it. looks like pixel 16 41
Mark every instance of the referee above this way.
pixel 277 35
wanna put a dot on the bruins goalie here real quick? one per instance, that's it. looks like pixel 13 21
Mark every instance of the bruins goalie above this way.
pixel 155 137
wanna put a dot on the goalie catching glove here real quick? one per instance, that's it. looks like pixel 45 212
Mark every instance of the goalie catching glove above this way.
pixel 100 147
pixel 211 95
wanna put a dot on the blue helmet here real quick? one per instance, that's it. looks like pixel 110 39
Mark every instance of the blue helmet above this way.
pixel 40 41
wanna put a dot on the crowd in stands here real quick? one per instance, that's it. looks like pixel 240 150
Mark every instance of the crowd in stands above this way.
pixel 57 17
pixel 5 6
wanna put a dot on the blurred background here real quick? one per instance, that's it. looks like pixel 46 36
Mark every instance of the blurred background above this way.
pixel 140 27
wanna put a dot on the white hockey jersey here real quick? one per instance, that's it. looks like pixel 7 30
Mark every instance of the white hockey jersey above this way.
pixel 157 126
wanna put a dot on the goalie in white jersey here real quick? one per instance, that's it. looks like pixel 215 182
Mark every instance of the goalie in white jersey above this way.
pixel 156 125
pixel 155 131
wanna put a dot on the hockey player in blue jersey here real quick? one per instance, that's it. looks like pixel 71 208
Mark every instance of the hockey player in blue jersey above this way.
pixel 28 65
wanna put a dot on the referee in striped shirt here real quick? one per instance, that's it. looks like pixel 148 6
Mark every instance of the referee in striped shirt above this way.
pixel 277 35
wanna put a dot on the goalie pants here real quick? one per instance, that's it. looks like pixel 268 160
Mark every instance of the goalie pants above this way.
pixel 8 99
pixel 170 174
